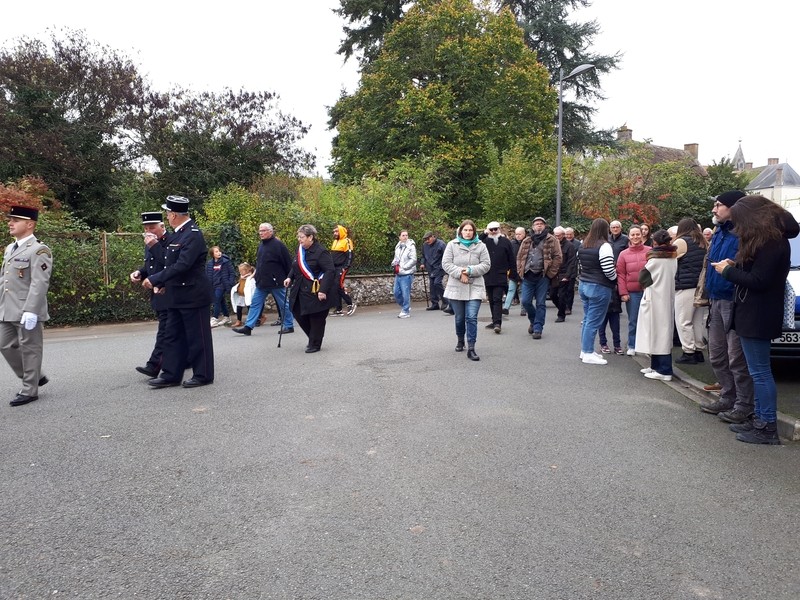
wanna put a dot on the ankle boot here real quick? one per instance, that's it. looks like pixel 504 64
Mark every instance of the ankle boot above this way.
pixel 762 433
pixel 471 353
pixel 460 344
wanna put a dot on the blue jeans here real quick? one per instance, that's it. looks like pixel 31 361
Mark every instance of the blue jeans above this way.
pixel 402 291
pixel 219 303
pixel 595 298
pixel 259 295
pixel 756 352
pixel 466 314
pixel 512 289
pixel 537 290
pixel 632 308
pixel 661 363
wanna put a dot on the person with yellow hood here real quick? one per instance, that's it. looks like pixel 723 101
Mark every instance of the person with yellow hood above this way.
pixel 342 253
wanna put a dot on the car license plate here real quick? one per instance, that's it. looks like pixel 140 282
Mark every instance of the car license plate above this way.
pixel 788 337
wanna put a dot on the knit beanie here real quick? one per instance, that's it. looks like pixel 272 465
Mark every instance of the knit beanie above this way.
pixel 730 198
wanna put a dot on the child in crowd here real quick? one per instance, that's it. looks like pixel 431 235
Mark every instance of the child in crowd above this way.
pixel 242 292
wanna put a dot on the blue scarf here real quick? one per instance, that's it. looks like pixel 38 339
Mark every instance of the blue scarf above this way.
pixel 467 242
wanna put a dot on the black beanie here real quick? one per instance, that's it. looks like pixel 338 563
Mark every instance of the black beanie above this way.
pixel 730 198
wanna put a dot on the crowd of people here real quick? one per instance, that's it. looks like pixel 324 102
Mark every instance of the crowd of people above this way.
pixel 721 291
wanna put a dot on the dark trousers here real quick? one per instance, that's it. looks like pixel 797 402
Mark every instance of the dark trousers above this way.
pixel 495 295
pixel 343 295
pixel 187 343
pixel 560 297
pixel 157 356
pixel 612 318
pixel 313 325
pixel 661 363
pixel 569 294
pixel 437 290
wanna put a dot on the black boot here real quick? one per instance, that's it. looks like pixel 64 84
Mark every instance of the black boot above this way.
pixel 686 359
pixel 460 344
pixel 698 356
pixel 471 353
pixel 762 433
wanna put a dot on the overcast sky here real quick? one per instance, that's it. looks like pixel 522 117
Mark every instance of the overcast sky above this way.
pixel 700 71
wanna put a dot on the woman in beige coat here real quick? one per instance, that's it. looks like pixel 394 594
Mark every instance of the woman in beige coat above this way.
pixel 657 310
pixel 466 260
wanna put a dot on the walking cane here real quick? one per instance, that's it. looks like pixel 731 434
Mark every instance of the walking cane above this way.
pixel 425 286
pixel 285 308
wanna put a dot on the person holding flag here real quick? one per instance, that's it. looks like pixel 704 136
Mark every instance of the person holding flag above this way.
pixel 313 286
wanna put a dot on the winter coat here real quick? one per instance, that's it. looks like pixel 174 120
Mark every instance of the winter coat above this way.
pixel 457 257
pixel 273 262
pixel 304 300
pixel 630 262
pixel 503 259
pixel 657 311
pixel 342 250
pixel 220 273
pixel 405 255
pixel 690 263
pixel 724 244
pixel 432 257
pixel 245 299
pixel 551 251
pixel 618 244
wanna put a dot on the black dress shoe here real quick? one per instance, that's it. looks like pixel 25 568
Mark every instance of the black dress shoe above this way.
pixel 43 380
pixel 144 371
pixel 22 399
pixel 311 349
pixel 158 382
pixel 448 311
pixel 194 382
pixel 686 359
pixel 287 330
pixel 433 307
pixel 243 330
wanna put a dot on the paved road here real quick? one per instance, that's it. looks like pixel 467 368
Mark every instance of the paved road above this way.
pixel 386 466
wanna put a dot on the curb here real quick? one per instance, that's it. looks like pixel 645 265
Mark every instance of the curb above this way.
pixel 788 426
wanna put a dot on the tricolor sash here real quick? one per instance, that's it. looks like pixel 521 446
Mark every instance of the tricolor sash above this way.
pixel 307 273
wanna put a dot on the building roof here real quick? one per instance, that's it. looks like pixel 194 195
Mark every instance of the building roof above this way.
pixel 768 175
pixel 663 154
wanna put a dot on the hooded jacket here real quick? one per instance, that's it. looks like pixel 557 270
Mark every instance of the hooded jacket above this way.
pixel 342 249
pixel 405 255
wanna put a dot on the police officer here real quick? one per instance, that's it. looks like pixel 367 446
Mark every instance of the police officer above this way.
pixel 27 265
pixel 187 337
pixel 155 249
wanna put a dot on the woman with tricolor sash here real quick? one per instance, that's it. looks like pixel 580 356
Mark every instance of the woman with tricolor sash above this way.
pixel 313 281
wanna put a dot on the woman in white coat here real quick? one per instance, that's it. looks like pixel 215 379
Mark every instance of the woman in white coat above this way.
pixel 466 260
pixel 657 311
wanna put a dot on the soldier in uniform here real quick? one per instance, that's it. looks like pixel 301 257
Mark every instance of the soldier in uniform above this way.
pixel 155 249
pixel 187 337
pixel 27 265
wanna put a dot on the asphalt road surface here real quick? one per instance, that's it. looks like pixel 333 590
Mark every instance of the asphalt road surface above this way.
pixel 386 466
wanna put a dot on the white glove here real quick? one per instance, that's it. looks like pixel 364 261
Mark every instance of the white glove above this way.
pixel 29 320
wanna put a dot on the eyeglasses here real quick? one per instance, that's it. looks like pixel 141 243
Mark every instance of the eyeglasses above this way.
pixel 493 228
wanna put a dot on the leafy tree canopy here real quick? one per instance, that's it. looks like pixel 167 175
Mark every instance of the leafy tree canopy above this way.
pixel 451 81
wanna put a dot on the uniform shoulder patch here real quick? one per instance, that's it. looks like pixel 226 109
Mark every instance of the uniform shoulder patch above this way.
pixel 44 250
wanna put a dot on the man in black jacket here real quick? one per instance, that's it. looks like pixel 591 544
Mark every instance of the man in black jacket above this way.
pixel 273 262
pixel 504 265
pixel 187 340
pixel 567 273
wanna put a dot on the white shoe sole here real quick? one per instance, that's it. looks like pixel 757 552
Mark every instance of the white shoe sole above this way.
pixel 658 376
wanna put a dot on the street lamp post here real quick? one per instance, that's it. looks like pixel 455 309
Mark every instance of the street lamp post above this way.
pixel 561 79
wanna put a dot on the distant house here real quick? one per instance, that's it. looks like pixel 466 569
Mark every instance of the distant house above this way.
pixel 779 182
pixel 662 154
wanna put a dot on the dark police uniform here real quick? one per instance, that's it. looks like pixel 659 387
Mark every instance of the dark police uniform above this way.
pixel 154 262
pixel 187 337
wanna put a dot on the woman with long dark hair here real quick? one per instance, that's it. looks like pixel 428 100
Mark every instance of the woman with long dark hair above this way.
pixel 759 274
pixel 598 278
pixel 691 247
pixel 466 260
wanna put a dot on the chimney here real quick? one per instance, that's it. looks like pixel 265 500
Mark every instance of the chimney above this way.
pixel 624 134
pixel 748 166
pixel 772 161
pixel 691 149
pixel 779 177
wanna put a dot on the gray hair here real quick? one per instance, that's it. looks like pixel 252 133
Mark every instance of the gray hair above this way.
pixel 267 226
pixel 615 224
pixel 558 230
pixel 308 231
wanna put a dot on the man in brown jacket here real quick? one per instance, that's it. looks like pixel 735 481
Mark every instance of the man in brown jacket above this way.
pixel 538 261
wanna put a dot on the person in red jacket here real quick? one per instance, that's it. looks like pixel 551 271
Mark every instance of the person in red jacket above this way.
pixel 630 262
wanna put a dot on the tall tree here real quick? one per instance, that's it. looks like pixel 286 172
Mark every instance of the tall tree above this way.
pixel 201 142
pixel 723 176
pixel 561 43
pixel 450 82
pixel 63 106
pixel 369 21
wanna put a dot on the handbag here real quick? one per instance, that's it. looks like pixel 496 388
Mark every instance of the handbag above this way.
pixel 789 300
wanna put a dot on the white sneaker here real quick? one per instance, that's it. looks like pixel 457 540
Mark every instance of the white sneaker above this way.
pixel 223 321
pixel 646 370
pixel 214 322
pixel 593 359
pixel 657 375
pixel 581 355
pixel 403 315
pixel 630 352
pixel 351 309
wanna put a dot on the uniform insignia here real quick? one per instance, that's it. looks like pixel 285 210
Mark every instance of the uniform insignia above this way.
pixel 44 250
pixel 21 273
pixel 44 268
